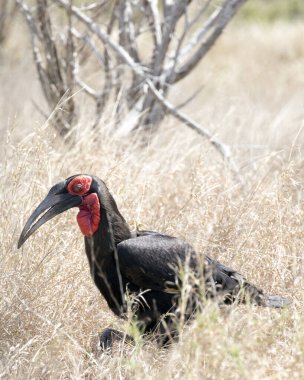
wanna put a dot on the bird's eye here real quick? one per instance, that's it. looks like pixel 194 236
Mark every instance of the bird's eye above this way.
pixel 80 185
pixel 77 187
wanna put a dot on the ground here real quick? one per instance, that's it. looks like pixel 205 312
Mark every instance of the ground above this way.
pixel 50 311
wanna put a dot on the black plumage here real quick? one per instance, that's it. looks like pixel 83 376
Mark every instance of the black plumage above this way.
pixel 146 263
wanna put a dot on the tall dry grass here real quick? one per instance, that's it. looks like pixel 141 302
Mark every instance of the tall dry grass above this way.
pixel 50 311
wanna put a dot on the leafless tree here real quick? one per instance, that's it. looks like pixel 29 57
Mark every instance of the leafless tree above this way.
pixel 137 49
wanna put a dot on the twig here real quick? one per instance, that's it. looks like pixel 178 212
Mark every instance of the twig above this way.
pixel 94 7
pixel 193 41
pixel 103 98
pixel 56 74
pixel 222 148
pixel 219 21
pixel 126 28
pixel 89 90
pixel 190 98
pixel 29 18
pixel 156 23
pixel 70 67
pixel 90 43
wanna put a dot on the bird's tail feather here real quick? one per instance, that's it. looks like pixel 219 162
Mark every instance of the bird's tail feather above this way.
pixel 236 288
pixel 257 296
pixel 276 301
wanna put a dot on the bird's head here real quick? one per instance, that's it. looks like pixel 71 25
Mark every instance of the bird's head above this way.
pixel 77 191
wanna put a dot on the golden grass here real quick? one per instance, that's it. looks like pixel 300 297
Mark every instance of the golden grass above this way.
pixel 50 311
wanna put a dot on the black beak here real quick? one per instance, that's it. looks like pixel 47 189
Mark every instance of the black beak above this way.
pixel 53 204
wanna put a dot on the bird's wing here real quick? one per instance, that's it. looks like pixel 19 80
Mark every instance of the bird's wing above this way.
pixel 151 261
pixel 234 285
pixel 225 278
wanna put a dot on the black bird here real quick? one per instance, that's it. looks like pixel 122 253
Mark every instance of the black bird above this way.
pixel 146 264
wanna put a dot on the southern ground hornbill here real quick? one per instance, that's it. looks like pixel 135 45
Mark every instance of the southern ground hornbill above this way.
pixel 145 264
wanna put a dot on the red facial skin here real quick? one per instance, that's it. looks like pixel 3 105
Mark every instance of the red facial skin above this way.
pixel 88 217
pixel 80 185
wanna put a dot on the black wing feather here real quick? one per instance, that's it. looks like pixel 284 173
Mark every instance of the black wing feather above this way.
pixel 151 260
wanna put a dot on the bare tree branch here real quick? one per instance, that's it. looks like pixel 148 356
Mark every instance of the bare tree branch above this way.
pixel 94 7
pixel 137 75
pixel 118 49
pixel 219 20
pixel 88 89
pixel 126 27
pixel 156 22
pixel 29 18
pixel 223 149
pixel 70 67
pixel 108 81
pixel 176 58
pixel 190 98
pixel 49 66
pixel 90 43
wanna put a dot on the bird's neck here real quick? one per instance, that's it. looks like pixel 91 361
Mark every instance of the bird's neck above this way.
pixel 102 255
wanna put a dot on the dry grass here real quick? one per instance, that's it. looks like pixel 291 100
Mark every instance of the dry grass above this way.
pixel 50 312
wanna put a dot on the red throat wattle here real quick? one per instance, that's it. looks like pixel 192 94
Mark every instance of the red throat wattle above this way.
pixel 88 217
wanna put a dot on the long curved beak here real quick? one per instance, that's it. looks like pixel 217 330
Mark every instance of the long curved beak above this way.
pixel 52 205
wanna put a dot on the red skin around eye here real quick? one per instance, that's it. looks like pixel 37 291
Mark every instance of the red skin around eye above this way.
pixel 88 217
pixel 83 180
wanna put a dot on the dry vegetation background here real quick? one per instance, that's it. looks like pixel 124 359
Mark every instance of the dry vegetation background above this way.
pixel 50 311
